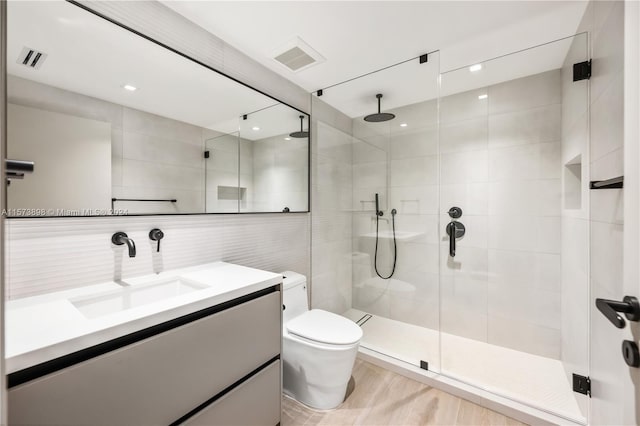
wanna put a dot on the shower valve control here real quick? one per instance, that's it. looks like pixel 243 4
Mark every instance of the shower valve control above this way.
pixel 455 212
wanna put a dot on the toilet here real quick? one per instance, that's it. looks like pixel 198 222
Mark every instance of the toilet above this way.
pixel 318 348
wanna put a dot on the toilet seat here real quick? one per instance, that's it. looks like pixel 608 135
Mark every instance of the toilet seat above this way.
pixel 325 327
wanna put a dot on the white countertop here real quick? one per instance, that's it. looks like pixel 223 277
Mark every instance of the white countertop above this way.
pixel 48 326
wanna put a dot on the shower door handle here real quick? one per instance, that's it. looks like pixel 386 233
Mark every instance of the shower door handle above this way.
pixel 610 308
pixel 454 230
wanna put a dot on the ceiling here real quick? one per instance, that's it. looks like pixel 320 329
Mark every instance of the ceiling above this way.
pixel 354 37
pixel 357 37
pixel 93 57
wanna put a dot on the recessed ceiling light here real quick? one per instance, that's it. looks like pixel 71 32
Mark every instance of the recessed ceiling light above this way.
pixel 129 87
pixel 475 68
pixel 287 139
pixel 485 96
pixel 403 125
pixel 255 128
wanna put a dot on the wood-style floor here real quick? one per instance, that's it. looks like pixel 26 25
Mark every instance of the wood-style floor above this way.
pixel 381 397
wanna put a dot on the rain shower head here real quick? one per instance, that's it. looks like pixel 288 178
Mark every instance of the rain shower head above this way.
pixel 301 133
pixel 379 117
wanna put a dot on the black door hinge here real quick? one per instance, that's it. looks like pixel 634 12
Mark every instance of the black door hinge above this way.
pixel 424 365
pixel 424 58
pixel 206 154
pixel 582 71
pixel 582 384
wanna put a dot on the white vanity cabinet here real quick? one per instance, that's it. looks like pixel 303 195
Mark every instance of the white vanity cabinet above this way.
pixel 216 366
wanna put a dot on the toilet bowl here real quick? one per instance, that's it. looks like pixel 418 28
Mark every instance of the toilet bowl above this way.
pixel 319 348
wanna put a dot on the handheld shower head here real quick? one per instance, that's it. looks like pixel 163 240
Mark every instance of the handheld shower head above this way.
pixel 378 211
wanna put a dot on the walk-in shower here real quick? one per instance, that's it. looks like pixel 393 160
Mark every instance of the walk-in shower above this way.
pixel 484 165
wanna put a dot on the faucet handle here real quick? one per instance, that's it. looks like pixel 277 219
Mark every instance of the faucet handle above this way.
pixel 156 235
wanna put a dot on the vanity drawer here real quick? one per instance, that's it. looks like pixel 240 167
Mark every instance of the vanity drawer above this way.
pixel 159 379
pixel 255 402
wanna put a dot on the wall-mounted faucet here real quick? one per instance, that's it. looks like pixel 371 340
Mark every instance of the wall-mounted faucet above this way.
pixel 156 235
pixel 120 238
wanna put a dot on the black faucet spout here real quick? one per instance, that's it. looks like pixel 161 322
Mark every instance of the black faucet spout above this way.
pixel 120 238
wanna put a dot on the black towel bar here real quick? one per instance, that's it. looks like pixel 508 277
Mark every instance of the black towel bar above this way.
pixel 173 200
pixel 113 200
pixel 617 182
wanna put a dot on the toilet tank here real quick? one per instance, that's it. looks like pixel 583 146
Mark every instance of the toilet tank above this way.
pixel 294 296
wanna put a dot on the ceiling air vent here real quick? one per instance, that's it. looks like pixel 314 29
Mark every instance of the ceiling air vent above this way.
pixel 297 55
pixel 31 58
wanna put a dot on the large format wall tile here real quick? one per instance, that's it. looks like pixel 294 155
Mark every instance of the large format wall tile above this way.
pixel 525 93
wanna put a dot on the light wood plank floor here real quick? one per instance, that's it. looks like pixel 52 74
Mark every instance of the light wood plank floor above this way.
pixel 381 397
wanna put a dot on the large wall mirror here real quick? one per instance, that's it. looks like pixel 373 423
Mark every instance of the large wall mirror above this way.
pixel 117 124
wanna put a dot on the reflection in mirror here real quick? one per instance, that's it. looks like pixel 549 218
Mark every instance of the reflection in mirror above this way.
pixel 222 191
pixel 274 165
pixel 122 123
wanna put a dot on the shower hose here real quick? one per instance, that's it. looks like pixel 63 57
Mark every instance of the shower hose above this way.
pixel 395 247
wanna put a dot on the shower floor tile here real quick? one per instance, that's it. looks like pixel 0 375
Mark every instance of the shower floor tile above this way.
pixel 531 379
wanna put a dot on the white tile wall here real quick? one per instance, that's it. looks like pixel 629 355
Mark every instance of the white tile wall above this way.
pixel 280 173
pixel 499 159
pixel 332 202
pixel 45 255
pixel 152 156
pixel 500 163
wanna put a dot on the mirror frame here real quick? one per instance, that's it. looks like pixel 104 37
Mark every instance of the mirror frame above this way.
pixel 210 68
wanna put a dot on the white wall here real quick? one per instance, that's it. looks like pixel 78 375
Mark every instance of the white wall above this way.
pixel 280 174
pixel 151 156
pixel 605 23
pixel 47 255
pixel 499 160
pixel 273 242
pixel 631 402
pixel 67 150
pixel 401 165
pixel 3 245
pixel 331 199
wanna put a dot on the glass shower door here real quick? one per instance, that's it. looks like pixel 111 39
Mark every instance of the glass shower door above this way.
pixel 394 245
pixel 513 281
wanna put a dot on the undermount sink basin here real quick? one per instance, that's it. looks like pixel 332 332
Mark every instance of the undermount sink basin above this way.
pixel 129 297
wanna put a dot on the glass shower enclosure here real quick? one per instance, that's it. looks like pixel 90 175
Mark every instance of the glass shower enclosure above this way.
pixel 474 263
